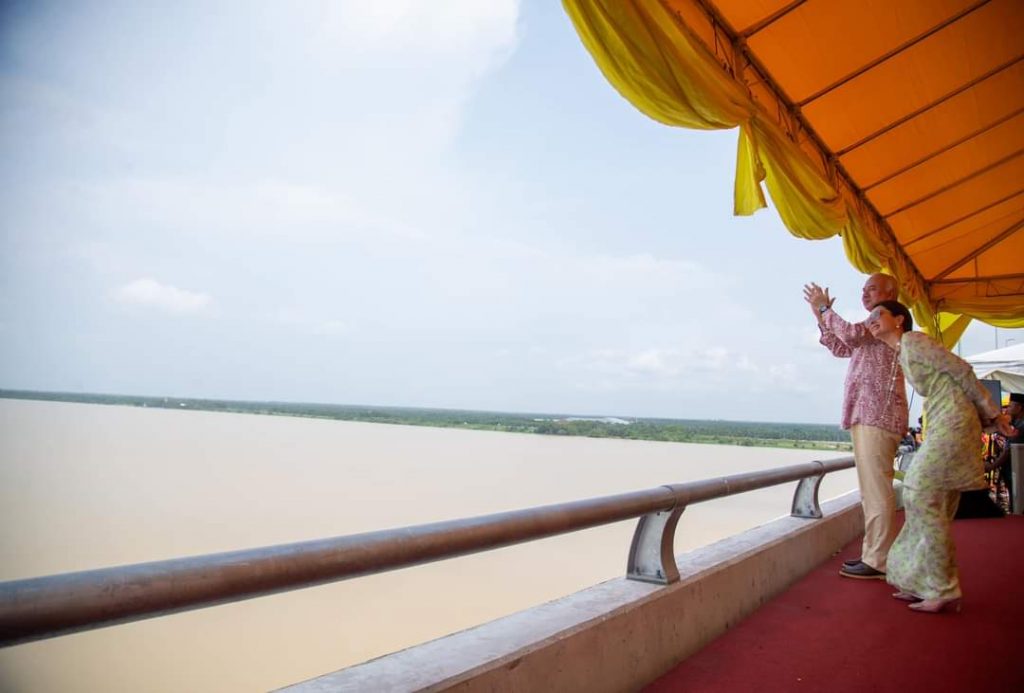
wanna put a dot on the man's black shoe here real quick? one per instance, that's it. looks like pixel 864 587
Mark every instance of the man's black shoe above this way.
pixel 850 562
pixel 861 571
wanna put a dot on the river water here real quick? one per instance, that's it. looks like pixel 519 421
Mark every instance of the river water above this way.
pixel 87 486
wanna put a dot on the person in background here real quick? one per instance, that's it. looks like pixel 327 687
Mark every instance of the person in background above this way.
pixel 1015 411
pixel 978 502
pixel 908 443
pixel 875 413
pixel 922 561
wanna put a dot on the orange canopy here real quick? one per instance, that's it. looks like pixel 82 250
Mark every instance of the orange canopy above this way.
pixel 897 124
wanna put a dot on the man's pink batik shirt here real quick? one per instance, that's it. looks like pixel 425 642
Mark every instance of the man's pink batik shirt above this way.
pixel 874 394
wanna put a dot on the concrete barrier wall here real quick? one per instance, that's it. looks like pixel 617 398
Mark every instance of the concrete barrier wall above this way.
pixel 620 634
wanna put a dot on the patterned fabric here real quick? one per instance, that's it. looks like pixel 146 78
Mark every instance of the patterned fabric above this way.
pixel 955 403
pixel 923 559
pixel 874 394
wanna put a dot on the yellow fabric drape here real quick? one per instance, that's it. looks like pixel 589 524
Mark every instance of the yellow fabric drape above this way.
pixel 952 328
pixel 653 59
pixel 638 48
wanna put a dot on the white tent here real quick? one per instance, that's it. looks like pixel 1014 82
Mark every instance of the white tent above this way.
pixel 1005 365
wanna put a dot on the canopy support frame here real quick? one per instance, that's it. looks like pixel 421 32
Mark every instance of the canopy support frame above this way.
pixel 1014 228
pixel 943 150
pixel 963 179
pixel 996 203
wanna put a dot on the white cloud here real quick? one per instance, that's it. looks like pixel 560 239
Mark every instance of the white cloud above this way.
pixel 414 29
pixel 149 292
pixel 268 208
pixel 696 370
pixel 644 267
pixel 568 275
pixel 300 321
pixel 330 328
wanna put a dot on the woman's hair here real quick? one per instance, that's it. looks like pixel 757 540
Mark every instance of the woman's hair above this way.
pixel 897 308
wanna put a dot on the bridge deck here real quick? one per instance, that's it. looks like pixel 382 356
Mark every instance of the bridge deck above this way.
pixel 837 634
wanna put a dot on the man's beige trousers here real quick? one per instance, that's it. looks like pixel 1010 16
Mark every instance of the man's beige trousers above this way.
pixel 874 450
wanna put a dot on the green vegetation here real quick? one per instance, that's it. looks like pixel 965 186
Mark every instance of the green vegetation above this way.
pixel 746 433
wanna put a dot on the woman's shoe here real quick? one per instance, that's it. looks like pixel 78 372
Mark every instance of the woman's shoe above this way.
pixel 934 606
pixel 907 597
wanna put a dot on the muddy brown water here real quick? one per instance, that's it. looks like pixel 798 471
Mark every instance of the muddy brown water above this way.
pixel 86 486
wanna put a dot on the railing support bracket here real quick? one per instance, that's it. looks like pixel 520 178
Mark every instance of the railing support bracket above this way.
pixel 805 499
pixel 652 554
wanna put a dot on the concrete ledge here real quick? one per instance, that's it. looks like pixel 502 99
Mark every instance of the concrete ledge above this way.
pixel 620 634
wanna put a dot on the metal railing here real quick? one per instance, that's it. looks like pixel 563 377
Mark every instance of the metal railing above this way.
pixel 38 608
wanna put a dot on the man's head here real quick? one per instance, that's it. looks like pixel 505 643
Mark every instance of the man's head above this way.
pixel 878 288
pixel 1016 408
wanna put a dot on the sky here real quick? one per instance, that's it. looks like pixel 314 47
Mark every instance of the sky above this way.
pixel 410 203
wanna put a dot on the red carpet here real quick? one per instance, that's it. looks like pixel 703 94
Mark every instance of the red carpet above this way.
pixel 828 633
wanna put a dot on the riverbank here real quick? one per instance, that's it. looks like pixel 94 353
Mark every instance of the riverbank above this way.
pixel 742 433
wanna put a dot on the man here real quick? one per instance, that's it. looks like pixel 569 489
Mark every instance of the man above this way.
pixel 875 413
pixel 1002 463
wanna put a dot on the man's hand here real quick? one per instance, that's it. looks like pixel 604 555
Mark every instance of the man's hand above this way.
pixel 1002 423
pixel 817 298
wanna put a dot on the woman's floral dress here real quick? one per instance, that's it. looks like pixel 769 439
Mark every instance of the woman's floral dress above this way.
pixel 922 560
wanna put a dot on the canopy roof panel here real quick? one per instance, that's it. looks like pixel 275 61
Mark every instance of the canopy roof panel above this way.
pixel 922 105
pixel 911 111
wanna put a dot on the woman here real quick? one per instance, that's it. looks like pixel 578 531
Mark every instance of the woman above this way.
pixel 922 564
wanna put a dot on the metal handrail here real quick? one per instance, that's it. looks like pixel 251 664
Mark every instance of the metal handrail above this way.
pixel 44 607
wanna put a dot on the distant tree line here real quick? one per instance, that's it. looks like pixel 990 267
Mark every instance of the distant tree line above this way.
pixel 746 433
